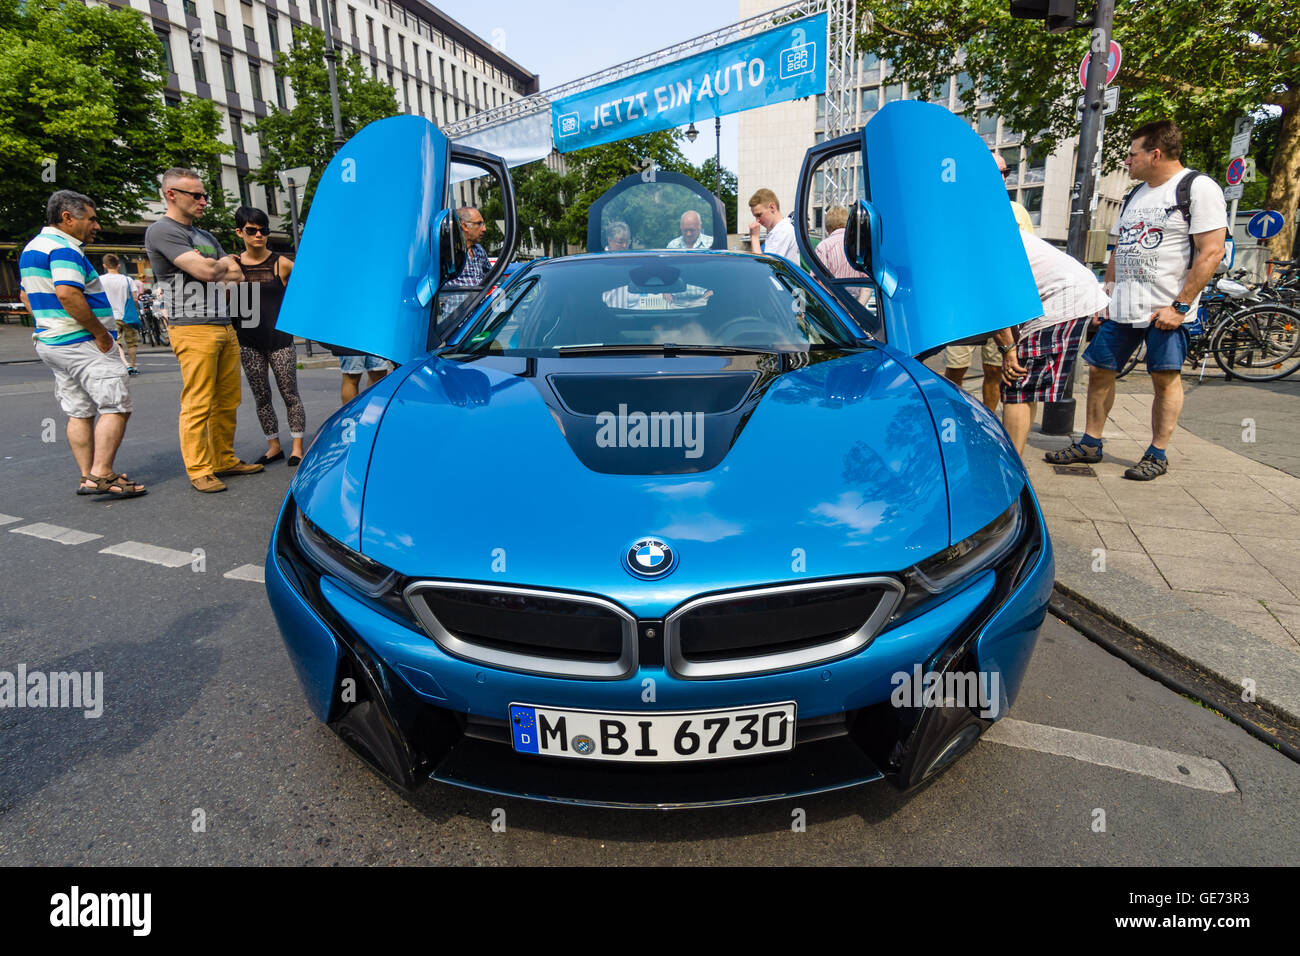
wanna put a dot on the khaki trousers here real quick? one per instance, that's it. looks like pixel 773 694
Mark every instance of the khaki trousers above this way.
pixel 210 393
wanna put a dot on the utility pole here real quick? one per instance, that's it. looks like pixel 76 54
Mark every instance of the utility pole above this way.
pixel 331 56
pixel 1058 417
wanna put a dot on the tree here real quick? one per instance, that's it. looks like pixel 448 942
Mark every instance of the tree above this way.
pixel 304 135
pixel 1197 63
pixel 541 195
pixel 189 138
pixel 80 108
pixel 707 176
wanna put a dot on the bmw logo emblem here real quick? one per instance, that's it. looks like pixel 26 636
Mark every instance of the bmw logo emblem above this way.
pixel 583 744
pixel 649 558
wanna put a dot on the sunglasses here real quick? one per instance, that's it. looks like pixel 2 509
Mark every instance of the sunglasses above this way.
pixel 256 231
pixel 202 197
pixel 1006 173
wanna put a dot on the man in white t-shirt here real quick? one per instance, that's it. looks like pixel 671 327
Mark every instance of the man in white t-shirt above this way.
pixel 120 290
pixel 1160 263
pixel 780 230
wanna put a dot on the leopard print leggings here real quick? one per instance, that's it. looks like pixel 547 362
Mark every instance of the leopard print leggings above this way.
pixel 284 363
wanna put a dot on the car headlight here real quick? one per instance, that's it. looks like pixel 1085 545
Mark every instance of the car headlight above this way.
pixel 333 557
pixel 959 562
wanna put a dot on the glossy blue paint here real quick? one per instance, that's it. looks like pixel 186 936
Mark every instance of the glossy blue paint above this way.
pixel 947 234
pixel 388 182
pixel 983 471
pixel 330 483
pixel 312 648
pixel 838 470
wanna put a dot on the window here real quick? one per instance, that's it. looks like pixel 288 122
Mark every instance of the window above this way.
pixel 245 198
pixel 249 36
pixel 370 29
pixel 442 69
pixel 939 92
pixel 273 29
pixel 352 19
pixel 419 98
pixel 1012 158
pixel 165 38
pixel 237 133
pixel 228 70
pixel 272 206
pixel 821 106
pixel 1032 199
pixel 279 92
pixel 196 59
pixel 987 126
pixel 963 83
pixel 171 99
pixel 870 101
pixel 870 68
pixel 1036 165
pixel 388 47
pixel 314 11
pixel 406 95
pixel 190 7
pixel 221 22
pixel 334 14
pixel 255 76
pixel 894 91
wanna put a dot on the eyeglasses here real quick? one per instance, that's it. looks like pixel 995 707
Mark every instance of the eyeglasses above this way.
pixel 472 222
pixel 256 231
pixel 201 197
pixel 1006 172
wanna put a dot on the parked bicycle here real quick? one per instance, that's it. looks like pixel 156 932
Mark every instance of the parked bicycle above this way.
pixel 1250 337
pixel 153 326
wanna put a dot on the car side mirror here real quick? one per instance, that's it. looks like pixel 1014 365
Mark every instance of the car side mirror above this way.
pixel 857 235
pixel 452 252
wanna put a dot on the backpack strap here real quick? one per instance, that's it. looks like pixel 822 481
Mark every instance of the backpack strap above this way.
pixel 1128 197
pixel 1183 203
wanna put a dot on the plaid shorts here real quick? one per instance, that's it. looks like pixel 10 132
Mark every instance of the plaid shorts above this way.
pixel 1048 355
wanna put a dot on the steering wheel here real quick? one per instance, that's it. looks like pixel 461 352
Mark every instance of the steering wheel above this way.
pixel 747 326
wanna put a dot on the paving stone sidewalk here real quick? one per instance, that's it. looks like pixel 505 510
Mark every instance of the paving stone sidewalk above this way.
pixel 1202 560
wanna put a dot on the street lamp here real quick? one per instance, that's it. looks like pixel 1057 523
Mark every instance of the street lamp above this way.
pixel 692 132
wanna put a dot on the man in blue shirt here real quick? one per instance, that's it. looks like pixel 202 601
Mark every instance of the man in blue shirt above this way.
pixel 73 315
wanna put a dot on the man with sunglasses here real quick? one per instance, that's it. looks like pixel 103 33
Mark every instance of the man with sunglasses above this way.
pixel 188 265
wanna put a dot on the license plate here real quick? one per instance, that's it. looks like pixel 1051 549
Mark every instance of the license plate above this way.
pixel 661 736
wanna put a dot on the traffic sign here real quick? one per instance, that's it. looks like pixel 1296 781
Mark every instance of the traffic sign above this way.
pixel 1241 136
pixel 1236 169
pixel 1233 192
pixel 1112 65
pixel 1111 100
pixel 1265 225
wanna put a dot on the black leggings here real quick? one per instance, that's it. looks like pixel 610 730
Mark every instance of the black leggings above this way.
pixel 284 362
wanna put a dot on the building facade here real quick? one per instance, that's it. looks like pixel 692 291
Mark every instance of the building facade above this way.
pixel 223 50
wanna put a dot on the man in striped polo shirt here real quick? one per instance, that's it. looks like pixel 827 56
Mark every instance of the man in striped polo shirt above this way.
pixel 73 316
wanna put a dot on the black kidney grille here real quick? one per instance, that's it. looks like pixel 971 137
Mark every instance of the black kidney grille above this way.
pixel 783 621
pixel 529 624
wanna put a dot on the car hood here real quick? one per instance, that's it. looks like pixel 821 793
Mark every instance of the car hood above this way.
pixel 835 469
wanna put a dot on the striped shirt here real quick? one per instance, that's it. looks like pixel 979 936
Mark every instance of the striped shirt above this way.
pixel 52 259
pixel 831 253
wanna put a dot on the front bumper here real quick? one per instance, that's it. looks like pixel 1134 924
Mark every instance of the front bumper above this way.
pixel 415 712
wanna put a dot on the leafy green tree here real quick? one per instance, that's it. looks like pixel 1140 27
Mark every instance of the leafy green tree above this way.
pixel 707 176
pixel 80 108
pixel 541 195
pixel 1200 64
pixel 304 135
pixel 189 138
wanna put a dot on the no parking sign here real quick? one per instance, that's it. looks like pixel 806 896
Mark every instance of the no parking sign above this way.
pixel 1236 170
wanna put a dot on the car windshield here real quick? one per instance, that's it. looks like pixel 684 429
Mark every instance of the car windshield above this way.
pixel 628 302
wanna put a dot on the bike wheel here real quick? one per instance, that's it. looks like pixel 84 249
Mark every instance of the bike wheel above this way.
pixel 1138 355
pixel 163 337
pixel 1259 344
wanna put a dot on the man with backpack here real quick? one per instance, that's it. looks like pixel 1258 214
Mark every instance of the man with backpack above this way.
pixel 1169 238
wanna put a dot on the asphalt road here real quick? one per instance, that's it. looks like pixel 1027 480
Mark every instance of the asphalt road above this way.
pixel 202 712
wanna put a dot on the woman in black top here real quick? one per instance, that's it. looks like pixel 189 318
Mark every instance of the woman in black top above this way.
pixel 261 344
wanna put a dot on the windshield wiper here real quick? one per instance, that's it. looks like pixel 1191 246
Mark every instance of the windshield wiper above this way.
pixel 666 349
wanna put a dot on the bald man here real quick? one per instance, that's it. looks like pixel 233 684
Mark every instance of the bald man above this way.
pixel 691 237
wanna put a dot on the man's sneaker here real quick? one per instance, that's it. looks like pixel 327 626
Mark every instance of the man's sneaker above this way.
pixel 1076 454
pixel 208 484
pixel 1148 468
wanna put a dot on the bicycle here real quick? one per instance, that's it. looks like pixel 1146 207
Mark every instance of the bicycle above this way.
pixel 1255 340
pixel 153 328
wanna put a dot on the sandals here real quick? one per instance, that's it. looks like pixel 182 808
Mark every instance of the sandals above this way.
pixel 105 485
pixel 1075 454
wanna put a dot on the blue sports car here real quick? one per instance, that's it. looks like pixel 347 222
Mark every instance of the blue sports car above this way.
pixel 657 528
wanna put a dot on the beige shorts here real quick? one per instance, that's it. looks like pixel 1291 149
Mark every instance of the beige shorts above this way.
pixel 959 356
pixel 128 335
pixel 86 380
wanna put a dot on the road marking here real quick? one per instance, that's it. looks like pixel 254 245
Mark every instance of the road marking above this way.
pixel 1198 773
pixel 52 532
pixel 140 551
pixel 248 572
pixel 8 519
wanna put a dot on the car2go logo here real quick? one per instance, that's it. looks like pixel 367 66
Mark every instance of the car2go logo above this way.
pixel 639 736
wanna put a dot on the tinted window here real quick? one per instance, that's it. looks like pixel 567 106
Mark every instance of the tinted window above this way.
pixel 630 300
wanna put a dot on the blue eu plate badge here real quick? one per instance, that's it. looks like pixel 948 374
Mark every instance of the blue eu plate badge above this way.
pixel 523 724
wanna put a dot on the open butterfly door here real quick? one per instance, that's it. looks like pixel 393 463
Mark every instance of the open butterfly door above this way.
pixel 933 230
pixel 380 241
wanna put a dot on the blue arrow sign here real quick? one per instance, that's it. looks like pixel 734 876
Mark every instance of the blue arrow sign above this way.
pixel 1265 225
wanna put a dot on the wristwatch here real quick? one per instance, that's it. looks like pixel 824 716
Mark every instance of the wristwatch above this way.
pixel 1004 349
pixel 1182 308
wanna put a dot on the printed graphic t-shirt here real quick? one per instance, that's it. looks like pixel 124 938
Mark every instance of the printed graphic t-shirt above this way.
pixel 1153 244
pixel 187 300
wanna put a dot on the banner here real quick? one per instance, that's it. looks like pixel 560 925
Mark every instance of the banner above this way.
pixel 784 63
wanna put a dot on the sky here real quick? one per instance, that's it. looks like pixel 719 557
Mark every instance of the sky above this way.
pixel 569 40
